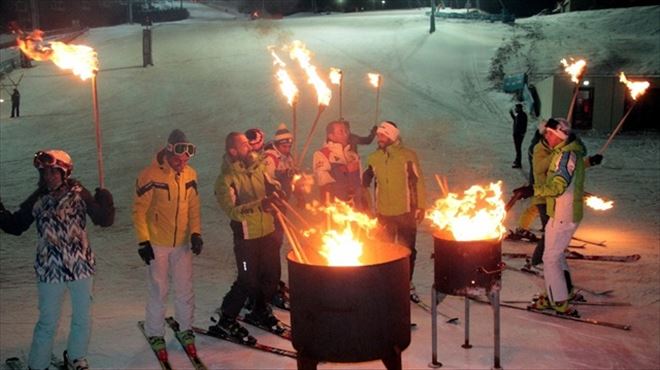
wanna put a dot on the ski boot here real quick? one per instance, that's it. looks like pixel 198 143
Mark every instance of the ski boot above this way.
pixel 526 234
pixel 267 320
pixel 228 326
pixel 565 309
pixel 281 297
pixel 77 364
pixel 158 345
pixel 539 302
pixel 187 339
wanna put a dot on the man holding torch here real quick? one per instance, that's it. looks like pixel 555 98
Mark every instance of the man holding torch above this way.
pixel 337 167
pixel 166 216
pixel 245 192
pixel 399 190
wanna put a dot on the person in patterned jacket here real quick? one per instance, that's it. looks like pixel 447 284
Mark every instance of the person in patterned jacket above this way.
pixel 64 260
pixel 167 220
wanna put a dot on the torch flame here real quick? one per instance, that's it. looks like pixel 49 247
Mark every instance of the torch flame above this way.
pixel 374 79
pixel 287 86
pixel 477 216
pixel 300 53
pixel 598 203
pixel 637 88
pixel 335 75
pixel 340 246
pixel 80 59
pixel 575 69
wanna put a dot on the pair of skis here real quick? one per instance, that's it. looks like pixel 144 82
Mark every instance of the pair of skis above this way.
pixel 165 364
pixel 197 362
pixel 581 256
pixel 585 320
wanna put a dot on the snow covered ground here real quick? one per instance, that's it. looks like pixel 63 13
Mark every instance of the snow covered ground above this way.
pixel 213 75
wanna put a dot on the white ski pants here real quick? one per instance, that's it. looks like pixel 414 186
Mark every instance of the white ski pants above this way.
pixel 176 262
pixel 558 235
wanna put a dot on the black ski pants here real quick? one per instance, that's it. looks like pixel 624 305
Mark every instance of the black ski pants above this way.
pixel 401 230
pixel 517 142
pixel 259 270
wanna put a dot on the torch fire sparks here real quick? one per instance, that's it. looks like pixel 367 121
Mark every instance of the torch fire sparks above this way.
pixel 637 88
pixel 598 204
pixel 80 59
pixel 575 69
pixel 478 215
pixel 341 244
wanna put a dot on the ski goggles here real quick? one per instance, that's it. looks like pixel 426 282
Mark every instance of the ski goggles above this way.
pixel 182 148
pixel 43 159
pixel 284 141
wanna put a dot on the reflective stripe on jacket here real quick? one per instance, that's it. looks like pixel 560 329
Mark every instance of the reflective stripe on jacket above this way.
pixel 166 206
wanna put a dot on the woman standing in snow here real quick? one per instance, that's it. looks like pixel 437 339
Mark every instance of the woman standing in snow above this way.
pixel 64 257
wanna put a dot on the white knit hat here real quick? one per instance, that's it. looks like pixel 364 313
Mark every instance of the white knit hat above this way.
pixel 283 133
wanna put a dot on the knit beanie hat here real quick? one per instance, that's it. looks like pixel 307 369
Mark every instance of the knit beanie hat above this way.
pixel 283 133
pixel 255 137
pixel 558 127
pixel 177 136
pixel 388 129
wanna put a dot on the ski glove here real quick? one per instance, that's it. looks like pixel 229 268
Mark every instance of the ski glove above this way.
pixel 196 243
pixel 524 192
pixel 595 159
pixel 103 197
pixel 146 252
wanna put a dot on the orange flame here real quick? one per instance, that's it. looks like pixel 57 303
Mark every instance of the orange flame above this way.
pixel 374 79
pixel 300 53
pixel 576 69
pixel 335 75
pixel 287 86
pixel 340 246
pixel 598 204
pixel 637 88
pixel 477 216
pixel 80 59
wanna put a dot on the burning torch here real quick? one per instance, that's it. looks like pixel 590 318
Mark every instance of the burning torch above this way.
pixel 337 78
pixel 290 91
pixel 82 61
pixel 576 70
pixel 323 94
pixel 376 80
pixel 637 89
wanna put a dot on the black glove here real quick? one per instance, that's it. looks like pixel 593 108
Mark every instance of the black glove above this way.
pixel 103 197
pixel 196 243
pixel 146 252
pixel 524 191
pixel 373 130
pixel 595 159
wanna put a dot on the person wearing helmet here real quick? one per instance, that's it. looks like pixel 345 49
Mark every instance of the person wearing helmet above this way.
pixel 167 221
pixel 65 260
